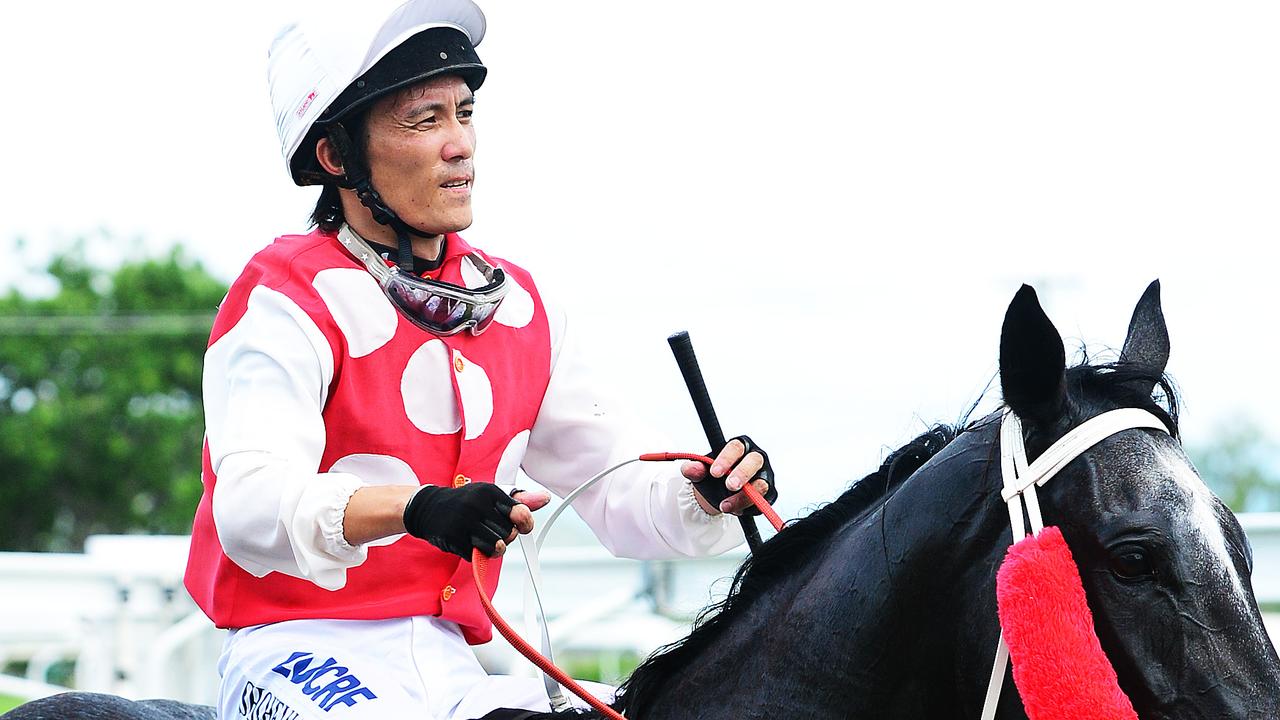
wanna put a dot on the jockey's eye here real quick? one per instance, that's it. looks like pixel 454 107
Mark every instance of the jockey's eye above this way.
pixel 1130 563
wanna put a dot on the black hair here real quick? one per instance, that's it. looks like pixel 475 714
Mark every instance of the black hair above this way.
pixel 328 215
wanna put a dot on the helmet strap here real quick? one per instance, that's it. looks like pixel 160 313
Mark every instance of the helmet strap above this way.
pixel 404 249
pixel 356 177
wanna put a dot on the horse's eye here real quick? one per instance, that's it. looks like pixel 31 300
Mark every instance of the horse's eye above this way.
pixel 1132 563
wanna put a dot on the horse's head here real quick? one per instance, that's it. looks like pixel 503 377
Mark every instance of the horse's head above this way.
pixel 1166 567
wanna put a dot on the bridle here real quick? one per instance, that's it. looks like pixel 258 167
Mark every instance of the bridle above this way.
pixel 1022 478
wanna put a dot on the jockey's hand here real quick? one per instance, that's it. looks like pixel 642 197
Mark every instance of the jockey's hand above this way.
pixel 739 460
pixel 478 515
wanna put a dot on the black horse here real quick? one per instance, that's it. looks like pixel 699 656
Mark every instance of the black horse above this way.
pixel 882 603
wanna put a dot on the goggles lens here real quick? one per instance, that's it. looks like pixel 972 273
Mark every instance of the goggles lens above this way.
pixel 439 314
pixel 437 307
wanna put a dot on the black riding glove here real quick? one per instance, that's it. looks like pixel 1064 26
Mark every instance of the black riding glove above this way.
pixel 458 519
pixel 714 492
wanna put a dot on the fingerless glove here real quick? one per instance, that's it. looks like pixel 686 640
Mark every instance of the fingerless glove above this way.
pixel 459 519
pixel 714 491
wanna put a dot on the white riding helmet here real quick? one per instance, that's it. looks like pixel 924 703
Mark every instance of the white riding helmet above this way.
pixel 322 67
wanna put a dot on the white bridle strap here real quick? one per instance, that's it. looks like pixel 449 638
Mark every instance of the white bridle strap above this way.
pixel 1022 478
pixel 1068 448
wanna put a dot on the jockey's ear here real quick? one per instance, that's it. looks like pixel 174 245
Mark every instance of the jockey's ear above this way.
pixel 1032 360
pixel 1147 343
pixel 329 158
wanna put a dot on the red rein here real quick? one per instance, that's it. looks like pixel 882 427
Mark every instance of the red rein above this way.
pixel 479 563
pixel 756 498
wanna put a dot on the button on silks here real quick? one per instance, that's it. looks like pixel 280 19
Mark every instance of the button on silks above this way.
pixel 457 364
pixel 459 480
pixel 447 592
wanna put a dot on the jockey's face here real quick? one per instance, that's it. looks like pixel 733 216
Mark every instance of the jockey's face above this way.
pixel 419 149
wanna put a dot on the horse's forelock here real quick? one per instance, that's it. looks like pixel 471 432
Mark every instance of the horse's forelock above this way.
pixel 1093 389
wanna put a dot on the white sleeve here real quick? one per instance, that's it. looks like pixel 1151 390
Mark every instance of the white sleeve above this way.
pixel 644 510
pixel 265 384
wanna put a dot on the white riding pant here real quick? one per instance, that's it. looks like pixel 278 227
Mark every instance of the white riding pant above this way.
pixel 417 667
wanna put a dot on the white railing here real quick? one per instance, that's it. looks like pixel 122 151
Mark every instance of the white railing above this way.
pixel 113 610
pixel 119 610
pixel 1263 530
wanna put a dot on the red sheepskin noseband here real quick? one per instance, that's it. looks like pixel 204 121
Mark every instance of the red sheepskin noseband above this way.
pixel 1058 663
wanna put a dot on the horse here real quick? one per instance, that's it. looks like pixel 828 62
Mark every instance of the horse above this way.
pixel 882 603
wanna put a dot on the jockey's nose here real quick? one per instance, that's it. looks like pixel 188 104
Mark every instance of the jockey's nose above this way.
pixel 461 144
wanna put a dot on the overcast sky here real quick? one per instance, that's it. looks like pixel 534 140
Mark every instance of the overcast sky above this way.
pixel 838 200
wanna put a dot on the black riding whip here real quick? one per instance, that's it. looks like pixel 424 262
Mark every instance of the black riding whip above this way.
pixel 682 348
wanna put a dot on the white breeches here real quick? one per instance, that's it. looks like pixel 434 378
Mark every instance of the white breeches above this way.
pixel 417 667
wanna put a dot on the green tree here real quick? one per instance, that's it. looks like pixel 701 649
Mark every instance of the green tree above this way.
pixel 1239 463
pixel 100 417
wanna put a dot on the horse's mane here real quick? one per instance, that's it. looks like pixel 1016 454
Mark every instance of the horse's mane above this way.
pixel 781 555
pixel 1090 389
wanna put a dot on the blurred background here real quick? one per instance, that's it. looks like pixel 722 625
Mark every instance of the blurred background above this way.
pixel 837 200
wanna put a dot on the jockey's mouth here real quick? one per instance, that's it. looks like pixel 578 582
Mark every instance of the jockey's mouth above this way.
pixel 459 183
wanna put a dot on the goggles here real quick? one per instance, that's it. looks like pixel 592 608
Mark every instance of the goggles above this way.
pixel 437 307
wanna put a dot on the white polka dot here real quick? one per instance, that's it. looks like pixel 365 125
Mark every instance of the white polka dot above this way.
pixel 378 470
pixel 471 275
pixel 512 456
pixel 477 396
pixel 363 314
pixel 427 391
pixel 517 307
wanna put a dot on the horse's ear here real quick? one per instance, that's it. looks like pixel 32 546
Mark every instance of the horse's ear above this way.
pixel 1147 343
pixel 1032 360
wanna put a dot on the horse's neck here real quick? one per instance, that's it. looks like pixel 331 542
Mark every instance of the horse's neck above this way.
pixel 925 566
pixel 954 530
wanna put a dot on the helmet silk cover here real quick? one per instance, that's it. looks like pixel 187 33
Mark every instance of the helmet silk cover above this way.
pixel 312 61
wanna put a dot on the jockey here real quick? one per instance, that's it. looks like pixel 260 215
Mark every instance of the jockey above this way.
pixel 372 387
